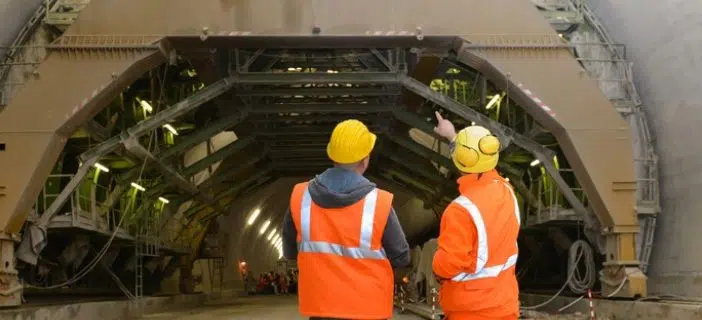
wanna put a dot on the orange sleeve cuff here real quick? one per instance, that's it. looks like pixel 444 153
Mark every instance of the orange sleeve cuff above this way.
pixel 455 244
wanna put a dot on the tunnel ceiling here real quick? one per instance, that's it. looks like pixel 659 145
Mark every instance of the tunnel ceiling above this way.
pixel 184 116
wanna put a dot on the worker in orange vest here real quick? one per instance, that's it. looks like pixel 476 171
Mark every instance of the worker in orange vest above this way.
pixel 345 234
pixel 477 246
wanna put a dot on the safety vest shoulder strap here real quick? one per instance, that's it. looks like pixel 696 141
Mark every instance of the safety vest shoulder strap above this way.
pixel 383 207
pixel 481 270
pixel 296 196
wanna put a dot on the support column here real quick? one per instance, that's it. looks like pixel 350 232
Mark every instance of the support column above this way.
pixel 622 275
pixel 10 287
pixel 187 282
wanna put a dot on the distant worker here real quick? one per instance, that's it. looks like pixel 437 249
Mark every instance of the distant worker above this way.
pixel 477 246
pixel 345 235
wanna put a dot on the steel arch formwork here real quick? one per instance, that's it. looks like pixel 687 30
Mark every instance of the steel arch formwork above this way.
pixel 115 41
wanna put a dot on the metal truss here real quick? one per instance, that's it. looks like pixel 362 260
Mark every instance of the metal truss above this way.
pixel 505 134
pixel 303 122
pixel 90 157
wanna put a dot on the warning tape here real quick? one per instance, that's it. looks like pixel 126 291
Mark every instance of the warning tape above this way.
pixel 592 304
pixel 538 101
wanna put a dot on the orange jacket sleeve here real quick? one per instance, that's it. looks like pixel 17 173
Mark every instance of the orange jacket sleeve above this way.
pixel 455 243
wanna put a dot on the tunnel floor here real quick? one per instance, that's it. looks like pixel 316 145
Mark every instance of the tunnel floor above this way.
pixel 262 307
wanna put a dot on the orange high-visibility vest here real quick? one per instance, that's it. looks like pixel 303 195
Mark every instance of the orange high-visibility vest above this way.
pixel 489 286
pixel 344 272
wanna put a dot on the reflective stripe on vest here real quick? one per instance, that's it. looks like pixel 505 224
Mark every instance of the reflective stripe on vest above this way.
pixel 481 271
pixel 364 251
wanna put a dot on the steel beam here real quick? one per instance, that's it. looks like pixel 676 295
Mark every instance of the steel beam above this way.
pixel 238 187
pixel 422 151
pixel 311 130
pixel 317 119
pixel 96 130
pixel 306 156
pixel 232 202
pixel 203 134
pixel 383 60
pixel 420 194
pixel 245 66
pixel 315 41
pixel 271 78
pixel 324 92
pixel 221 175
pixel 177 110
pixel 319 108
pixel 134 146
pixel 218 155
pixel 415 121
pixel 66 192
pixel 505 134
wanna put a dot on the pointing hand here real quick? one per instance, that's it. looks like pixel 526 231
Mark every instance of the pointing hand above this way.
pixel 444 127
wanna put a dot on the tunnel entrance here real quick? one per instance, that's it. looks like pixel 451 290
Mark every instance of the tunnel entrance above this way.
pixel 173 149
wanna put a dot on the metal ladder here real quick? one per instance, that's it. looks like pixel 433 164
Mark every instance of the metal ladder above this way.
pixel 146 244
pixel 138 272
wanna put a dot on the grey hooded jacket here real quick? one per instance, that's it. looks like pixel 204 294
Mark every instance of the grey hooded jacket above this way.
pixel 337 188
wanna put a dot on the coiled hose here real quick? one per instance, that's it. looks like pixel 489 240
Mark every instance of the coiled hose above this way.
pixel 576 280
pixel 584 278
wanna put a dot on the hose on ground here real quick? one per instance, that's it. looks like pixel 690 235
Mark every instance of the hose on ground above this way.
pixel 584 278
pixel 578 250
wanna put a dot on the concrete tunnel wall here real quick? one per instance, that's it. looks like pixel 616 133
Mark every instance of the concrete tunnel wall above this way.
pixel 13 15
pixel 245 243
pixel 664 40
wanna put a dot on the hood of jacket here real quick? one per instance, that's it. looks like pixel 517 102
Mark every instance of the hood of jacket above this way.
pixel 338 187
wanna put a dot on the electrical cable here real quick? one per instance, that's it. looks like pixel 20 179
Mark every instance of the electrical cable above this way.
pixel 578 250
pixel 89 267
pixel 565 284
pixel 577 282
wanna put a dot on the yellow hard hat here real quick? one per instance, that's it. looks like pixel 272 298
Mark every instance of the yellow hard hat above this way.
pixel 475 150
pixel 350 142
